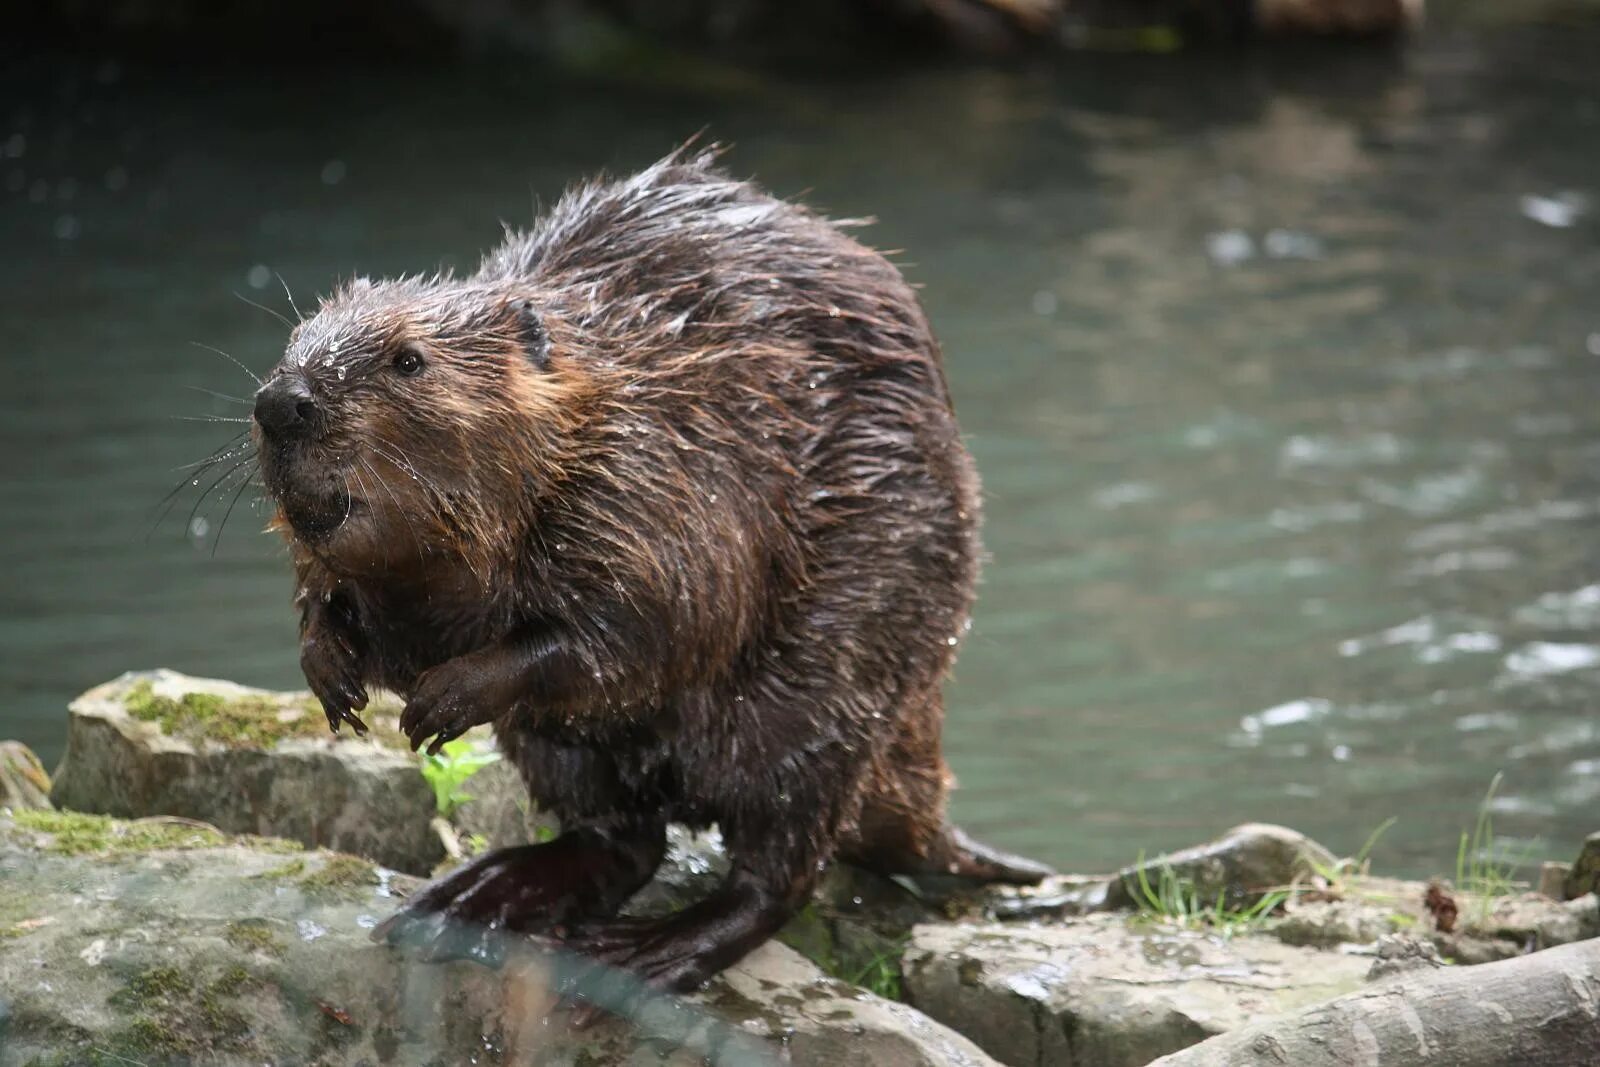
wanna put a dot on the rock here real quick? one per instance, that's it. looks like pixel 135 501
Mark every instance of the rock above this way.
pixel 163 943
pixel 247 761
pixel 1553 879
pixel 23 781
pixel 1366 908
pixel 1398 953
pixel 1106 991
pixel 1585 875
pixel 1243 864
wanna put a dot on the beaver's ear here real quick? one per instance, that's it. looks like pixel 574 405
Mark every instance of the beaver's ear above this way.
pixel 530 328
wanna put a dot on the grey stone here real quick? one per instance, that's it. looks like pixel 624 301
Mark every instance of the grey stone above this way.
pixel 361 796
pixel 229 953
pixel 1398 953
pixel 1553 879
pixel 1102 990
pixel 1243 864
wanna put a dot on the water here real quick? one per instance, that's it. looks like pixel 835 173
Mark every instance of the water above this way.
pixel 1281 372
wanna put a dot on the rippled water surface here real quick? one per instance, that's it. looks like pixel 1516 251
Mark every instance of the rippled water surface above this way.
pixel 1283 375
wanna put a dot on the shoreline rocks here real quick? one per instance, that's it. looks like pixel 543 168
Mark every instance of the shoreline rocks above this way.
pixel 246 761
pixel 201 928
pixel 178 944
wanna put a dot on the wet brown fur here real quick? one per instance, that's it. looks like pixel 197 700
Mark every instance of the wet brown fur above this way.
pixel 693 447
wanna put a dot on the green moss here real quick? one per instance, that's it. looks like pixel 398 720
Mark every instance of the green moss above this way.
pixel 175 1016
pixel 253 935
pixel 340 873
pixel 74 833
pixel 147 1036
pixel 231 982
pixel 862 956
pixel 154 988
pixel 284 871
pixel 253 721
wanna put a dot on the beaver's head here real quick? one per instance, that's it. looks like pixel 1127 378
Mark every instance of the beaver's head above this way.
pixel 407 419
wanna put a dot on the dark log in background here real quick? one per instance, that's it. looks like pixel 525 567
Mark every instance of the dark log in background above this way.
pixel 584 32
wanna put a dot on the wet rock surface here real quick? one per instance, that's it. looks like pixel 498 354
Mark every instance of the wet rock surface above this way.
pixel 1101 990
pixel 171 943
pixel 1241 864
pixel 175 936
pixel 247 761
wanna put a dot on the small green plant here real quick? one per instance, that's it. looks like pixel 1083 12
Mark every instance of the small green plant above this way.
pixel 881 975
pixel 1333 874
pixel 1482 867
pixel 449 770
pixel 1175 899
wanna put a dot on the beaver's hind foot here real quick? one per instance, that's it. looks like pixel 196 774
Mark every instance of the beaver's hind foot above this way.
pixel 584 874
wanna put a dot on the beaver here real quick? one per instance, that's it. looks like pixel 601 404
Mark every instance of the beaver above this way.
pixel 670 492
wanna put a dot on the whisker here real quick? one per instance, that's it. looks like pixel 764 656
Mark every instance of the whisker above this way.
pixel 404 514
pixel 219 396
pixel 349 502
pixel 297 313
pixel 406 465
pixel 220 452
pixel 229 358
pixel 199 468
pixel 189 523
pixel 275 314
pixel 208 418
pixel 225 515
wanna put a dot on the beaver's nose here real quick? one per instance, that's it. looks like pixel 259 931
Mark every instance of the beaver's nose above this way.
pixel 286 410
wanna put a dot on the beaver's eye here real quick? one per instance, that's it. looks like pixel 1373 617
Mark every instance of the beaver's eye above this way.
pixel 408 362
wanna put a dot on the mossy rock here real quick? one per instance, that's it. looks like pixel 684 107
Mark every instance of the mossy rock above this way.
pixel 246 760
pixel 23 781
pixel 249 719
pixel 245 957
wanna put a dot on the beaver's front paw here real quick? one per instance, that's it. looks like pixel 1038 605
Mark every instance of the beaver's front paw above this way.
pixel 452 698
pixel 333 670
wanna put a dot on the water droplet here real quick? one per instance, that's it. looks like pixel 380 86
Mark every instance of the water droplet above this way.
pixel 333 172
pixel 68 227
pixel 560 547
pixel 952 640
pixel 199 527
pixel 258 276
pixel 340 373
